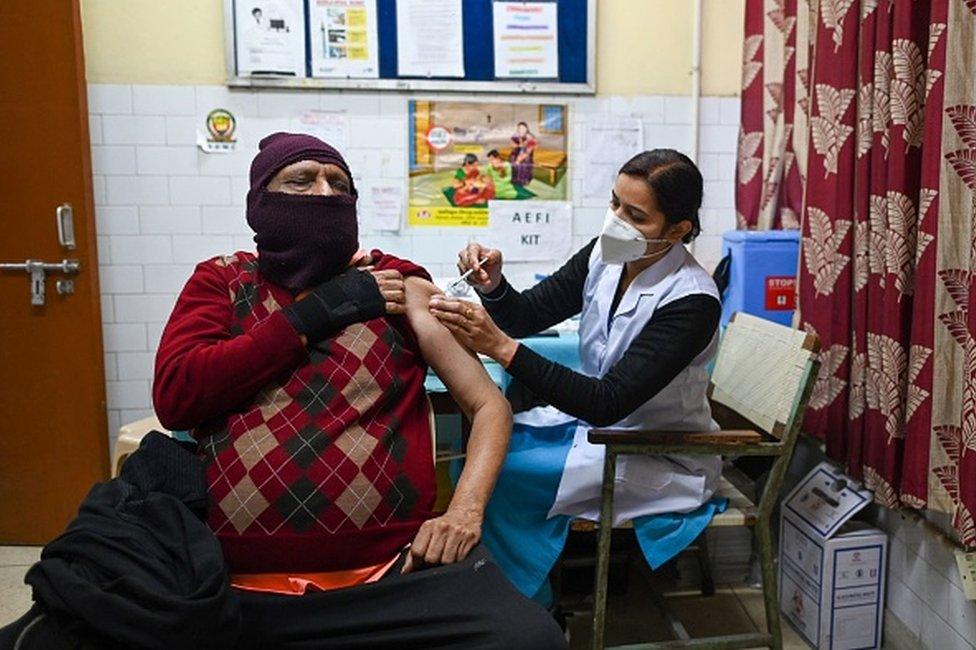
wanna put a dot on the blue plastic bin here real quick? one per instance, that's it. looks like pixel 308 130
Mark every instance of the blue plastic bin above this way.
pixel 762 277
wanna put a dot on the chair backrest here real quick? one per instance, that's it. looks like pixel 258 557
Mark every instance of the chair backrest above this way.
pixel 764 373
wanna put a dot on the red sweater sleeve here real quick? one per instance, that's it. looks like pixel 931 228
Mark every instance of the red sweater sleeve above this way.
pixel 202 370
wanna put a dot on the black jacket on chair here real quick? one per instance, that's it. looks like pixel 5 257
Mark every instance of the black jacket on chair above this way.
pixel 138 567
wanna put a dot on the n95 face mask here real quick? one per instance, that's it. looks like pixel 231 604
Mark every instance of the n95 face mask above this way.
pixel 620 242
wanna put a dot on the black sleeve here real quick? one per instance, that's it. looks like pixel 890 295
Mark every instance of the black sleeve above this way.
pixel 675 335
pixel 523 313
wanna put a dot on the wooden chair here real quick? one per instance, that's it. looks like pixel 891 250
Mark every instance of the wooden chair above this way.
pixel 759 390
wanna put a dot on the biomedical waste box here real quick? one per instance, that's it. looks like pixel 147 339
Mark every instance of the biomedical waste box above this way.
pixel 831 569
pixel 762 275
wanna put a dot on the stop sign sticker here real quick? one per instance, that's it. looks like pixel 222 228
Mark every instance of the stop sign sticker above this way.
pixel 439 137
pixel 780 293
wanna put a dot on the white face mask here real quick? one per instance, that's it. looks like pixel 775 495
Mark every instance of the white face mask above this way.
pixel 620 242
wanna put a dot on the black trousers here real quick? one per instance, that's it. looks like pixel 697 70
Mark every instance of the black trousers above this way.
pixel 467 605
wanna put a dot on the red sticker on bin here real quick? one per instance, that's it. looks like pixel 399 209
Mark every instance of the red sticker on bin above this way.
pixel 780 293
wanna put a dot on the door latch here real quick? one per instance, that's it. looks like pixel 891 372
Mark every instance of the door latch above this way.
pixel 38 271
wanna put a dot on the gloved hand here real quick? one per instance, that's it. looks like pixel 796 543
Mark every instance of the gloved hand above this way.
pixel 350 297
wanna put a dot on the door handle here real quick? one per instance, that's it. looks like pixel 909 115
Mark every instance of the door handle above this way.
pixel 38 270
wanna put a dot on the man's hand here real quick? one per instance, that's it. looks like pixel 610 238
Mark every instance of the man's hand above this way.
pixel 444 540
pixel 391 286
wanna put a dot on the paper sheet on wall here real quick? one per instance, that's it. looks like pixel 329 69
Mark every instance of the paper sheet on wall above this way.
pixel 608 142
pixel 429 38
pixel 383 208
pixel 966 562
pixel 531 231
pixel 344 38
pixel 329 126
pixel 270 37
pixel 526 40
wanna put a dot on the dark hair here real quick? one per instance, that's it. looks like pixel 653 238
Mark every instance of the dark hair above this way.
pixel 526 125
pixel 494 154
pixel 675 183
pixel 470 159
pixel 256 10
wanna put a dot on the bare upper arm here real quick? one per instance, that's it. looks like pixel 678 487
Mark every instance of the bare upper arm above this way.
pixel 459 368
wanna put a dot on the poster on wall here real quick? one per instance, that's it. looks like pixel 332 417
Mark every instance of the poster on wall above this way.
pixel 343 38
pixel 328 126
pixel 464 154
pixel 526 40
pixel 430 39
pixel 270 37
pixel 607 144
pixel 531 231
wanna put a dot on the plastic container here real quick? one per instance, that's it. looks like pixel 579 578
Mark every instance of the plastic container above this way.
pixel 762 276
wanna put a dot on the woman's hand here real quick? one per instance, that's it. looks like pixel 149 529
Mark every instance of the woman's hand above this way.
pixel 487 276
pixel 474 328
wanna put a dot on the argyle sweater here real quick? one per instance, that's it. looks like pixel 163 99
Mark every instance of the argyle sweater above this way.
pixel 317 459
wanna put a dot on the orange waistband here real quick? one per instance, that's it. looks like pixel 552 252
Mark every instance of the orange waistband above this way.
pixel 300 583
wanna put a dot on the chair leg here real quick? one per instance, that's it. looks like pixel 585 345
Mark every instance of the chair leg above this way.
pixel 603 549
pixel 705 565
pixel 770 593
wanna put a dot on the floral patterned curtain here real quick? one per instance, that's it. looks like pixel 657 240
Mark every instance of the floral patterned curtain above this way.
pixel 888 254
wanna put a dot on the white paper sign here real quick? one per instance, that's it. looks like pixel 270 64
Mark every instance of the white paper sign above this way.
pixel 344 38
pixel 429 38
pixel 383 207
pixel 526 40
pixel 331 127
pixel 531 231
pixel 270 37
pixel 608 142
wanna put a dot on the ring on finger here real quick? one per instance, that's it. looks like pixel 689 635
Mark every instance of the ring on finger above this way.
pixel 468 313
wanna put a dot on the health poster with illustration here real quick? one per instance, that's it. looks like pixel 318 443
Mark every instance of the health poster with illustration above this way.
pixel 465 154
pixel 343 38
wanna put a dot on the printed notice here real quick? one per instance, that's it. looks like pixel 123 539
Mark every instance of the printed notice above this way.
pixel 429 38
pixel 526 40
pixel 270 38
pixel 344 38
pixel 531 231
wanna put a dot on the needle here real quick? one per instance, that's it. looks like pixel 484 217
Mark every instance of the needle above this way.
pixel 465 275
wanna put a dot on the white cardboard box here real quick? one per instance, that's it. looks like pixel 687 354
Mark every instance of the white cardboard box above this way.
pixel 831 570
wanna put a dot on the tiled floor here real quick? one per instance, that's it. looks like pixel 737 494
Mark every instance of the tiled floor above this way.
pixel 632 618
pixel 15 597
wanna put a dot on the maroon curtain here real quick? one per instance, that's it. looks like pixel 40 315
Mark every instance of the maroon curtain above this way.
pixel 888 254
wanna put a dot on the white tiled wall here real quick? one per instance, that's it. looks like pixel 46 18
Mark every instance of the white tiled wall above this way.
pixel 925 607
pixel 162 205
pixel 924 588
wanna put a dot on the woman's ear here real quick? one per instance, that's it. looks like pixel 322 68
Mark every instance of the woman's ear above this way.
pixel 677 231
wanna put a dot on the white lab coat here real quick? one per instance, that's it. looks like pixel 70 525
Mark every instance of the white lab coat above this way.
pixel 645 485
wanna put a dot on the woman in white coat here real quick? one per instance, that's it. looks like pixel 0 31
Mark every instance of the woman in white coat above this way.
pixel 648 327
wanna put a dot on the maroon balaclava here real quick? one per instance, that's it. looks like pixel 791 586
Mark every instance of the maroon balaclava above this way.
pixel 302 240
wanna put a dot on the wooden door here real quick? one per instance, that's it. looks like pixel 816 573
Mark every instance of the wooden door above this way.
pixel 53 429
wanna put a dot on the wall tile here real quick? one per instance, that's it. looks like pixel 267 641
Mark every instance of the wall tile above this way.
pixel 141 249
pixel 127 337
pixel 109 99
pixel 143 308
pixel 117 220
pixel 128 394
pixel 135 365
pixel 169 219
pixel 137 190
pixel 113 159
pixel 199 190
pixel 193 249
pixel 133 129
pixel 163 100
pixel 120 279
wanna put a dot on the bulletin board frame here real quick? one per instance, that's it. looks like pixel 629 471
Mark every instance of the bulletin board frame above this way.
pixel 525 87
